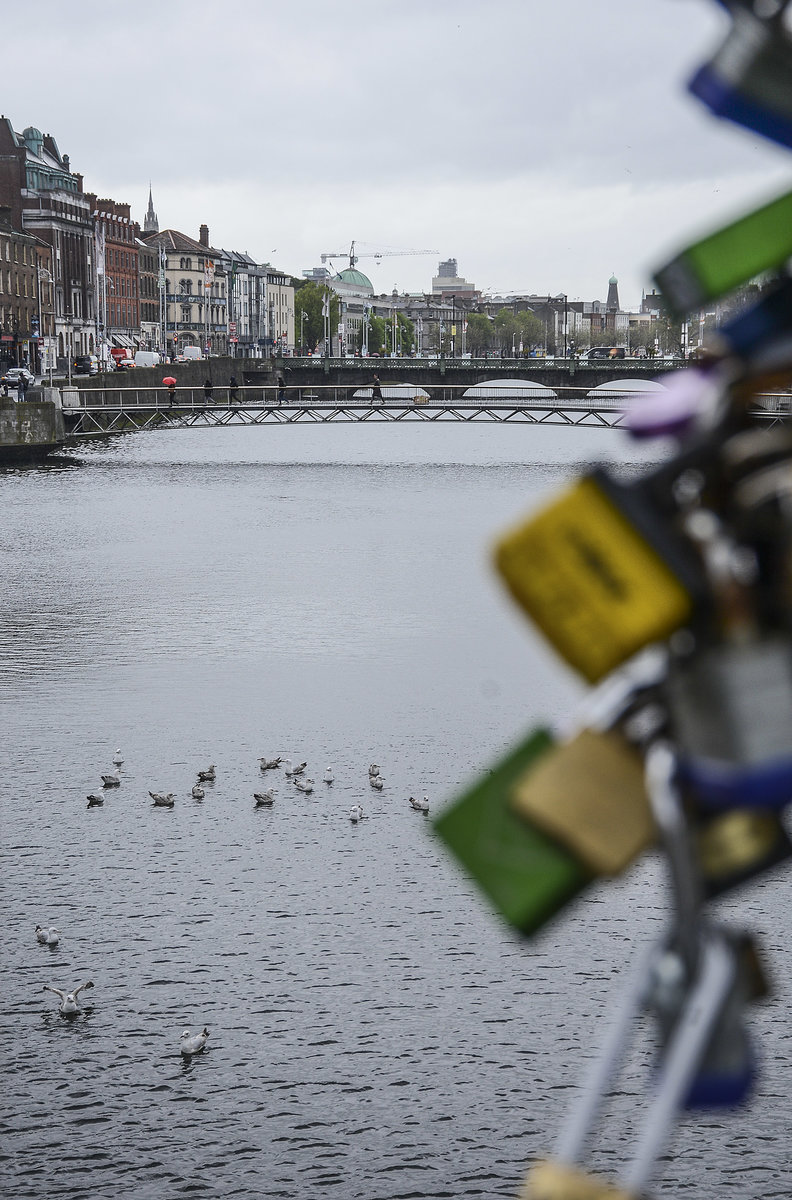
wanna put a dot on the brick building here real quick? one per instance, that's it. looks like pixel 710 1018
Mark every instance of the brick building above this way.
pixel 46 200
pixel 117 275
pixel 26 298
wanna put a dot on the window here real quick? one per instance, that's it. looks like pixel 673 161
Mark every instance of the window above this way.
pixel 186 314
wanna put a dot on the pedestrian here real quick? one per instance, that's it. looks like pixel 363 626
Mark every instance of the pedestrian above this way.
pixel 21 386
pixel 208 389
pixel 376 391
pixel 172 392
pixel 281 386
pixel 233 393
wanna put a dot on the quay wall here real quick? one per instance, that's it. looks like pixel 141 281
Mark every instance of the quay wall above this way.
pixel 32 428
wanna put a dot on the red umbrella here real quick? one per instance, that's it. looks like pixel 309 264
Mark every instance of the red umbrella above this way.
pixel 169 381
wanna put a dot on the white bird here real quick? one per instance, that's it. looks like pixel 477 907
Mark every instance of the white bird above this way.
pixel 163 799
pixel 41 935
pixel 193 1043
pixel 287 767
pixel 355 813
pixel 373 770
pixel 304 785
pixel 264 799
pixel 419 805
pixel 328 775
pixel 117 759
pixel 377 782
pixel 298 770
pixel 53 936
pixel 197 792
pixel 270 764
pixel 113 780
pixel 207 776
pixel 94 800
pixel 68 1006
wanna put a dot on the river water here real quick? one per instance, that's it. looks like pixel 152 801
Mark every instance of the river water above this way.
pixel 201 597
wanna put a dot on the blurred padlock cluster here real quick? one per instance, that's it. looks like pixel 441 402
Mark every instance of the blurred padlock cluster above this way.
pixel 671 595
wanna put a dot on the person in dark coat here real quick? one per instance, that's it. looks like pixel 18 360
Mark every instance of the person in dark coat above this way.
pixel 376 391
pixel 208 389
pixel 233 393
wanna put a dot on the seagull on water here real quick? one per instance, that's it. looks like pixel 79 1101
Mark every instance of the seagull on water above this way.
pixel 41 935
pixel 48 937
pixel 264 799
pixel 163 799
pixel 304 785
pixel 328 775
pixel 377 782
pixel 68 1006
pixel 117 759
pixel 419 805
pixel 298 770
pixel 197 792
pixel 113 780
pixel 193 1043
pixel 94 800
pixel 355 814
pixel 373 770
pixel 270 764
pixel 207 776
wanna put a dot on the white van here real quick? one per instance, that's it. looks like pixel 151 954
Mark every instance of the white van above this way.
pixel 147 358
pixel 192 353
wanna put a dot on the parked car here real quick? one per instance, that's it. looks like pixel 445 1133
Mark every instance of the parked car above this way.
pixel 13 373
pixel 86 364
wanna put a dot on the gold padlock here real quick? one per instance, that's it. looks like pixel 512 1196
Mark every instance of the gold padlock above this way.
pixel 557 1181
pixel 589 794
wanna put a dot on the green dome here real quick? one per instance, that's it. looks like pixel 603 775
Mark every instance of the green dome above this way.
pixel 355 278
pixel 613 279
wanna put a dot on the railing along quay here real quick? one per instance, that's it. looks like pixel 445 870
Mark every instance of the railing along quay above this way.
pixel 94 411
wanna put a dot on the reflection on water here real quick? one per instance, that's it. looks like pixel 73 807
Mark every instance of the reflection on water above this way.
pixel 215 597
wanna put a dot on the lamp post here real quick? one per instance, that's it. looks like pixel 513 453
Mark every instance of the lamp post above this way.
pixel 42 272
pixel 303 316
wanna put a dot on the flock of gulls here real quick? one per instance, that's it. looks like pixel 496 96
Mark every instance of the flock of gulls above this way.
pixel 193 1043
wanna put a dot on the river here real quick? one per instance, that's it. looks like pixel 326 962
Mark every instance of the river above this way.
pixel 322 593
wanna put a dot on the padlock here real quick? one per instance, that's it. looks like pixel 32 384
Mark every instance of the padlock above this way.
pixel 749 79
pixel 733 847
pixel 761 335
pixel 526 875
pixel 708 269
pixel 602 571
pixel 730 711
pixel 559 1181
pixel 589 795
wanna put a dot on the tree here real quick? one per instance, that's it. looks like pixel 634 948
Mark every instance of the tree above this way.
pixel 532 330
pixel 479 333
pixel 308 299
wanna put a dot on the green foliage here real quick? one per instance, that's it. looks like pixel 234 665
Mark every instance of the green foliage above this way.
pixel 479 333
pixel 308 299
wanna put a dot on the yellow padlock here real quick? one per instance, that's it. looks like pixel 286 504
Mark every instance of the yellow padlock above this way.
pixel 589 794
pixel 557 1181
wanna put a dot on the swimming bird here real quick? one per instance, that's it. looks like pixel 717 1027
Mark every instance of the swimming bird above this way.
pixel 94 801
pixel 193 1043
pixel 53 936
pixel 207 776
pixel 328 775
pixel 355 814
pixel 270 764
pixel 373 770
pixel 113 780
pixel 163 799
pixel 419 805
pixel 68 1006
pixel 264 799
pixel 197 792
pixel 41 935
pixel 117 759
pixel 304 785
pixel 298 770
pixel 377 782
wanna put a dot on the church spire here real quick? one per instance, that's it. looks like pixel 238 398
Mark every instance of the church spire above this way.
pixel 151 224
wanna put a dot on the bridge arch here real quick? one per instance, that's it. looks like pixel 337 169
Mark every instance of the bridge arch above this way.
pixel 622 389
pixel 510 389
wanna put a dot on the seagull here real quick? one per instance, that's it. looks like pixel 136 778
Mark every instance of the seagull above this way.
pixel 270 764
pixel 419 805
pixel 113 780
pixel 304 785
pixel 377 782
pixel 68 1006
pixel 328 775
pixel 117 759
pixel 373 770
pixel 163 799
pixel 94 801
pixel 207 776
pixel 53 936
pixel 298 770
pixel 41 935
pixel 197 792
pixel 288 767
pixel 355 813
pixel 193 1043
pixel 264 799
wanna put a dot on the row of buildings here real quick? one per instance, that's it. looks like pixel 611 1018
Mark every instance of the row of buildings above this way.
pixel 79 276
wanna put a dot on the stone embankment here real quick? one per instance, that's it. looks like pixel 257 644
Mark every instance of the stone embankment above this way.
pixel 32 428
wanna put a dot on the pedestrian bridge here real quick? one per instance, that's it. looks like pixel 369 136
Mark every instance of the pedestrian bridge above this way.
pixel 98 411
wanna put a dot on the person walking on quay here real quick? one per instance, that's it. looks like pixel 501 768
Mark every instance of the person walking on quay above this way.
pixel 281 388
pixel 233 393
pixel 21 386
pixel 376 391
pixel 208 389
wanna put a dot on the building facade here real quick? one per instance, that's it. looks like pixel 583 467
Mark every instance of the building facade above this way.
pixel 117 277
pixel 46 200
pixel 26 299
pixel 193 292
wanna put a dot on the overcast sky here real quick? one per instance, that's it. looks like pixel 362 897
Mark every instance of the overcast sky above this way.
pixel 543 145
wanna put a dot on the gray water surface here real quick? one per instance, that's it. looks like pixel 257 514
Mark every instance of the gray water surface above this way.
pixel 325 594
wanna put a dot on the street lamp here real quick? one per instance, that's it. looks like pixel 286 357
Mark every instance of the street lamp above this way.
pixel 42 272
pixel 303 317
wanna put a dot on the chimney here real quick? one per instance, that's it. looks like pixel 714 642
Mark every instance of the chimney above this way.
pixel 203 236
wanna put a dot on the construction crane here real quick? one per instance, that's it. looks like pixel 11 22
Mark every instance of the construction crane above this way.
pixel 377 254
